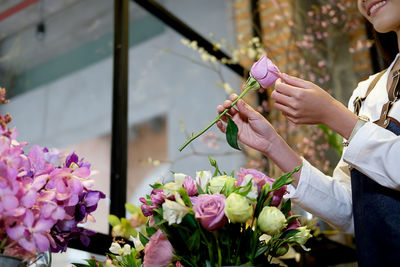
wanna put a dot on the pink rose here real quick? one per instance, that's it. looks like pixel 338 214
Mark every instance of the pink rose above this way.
pixel 210 210
pixel 158 252
pixel 190 186
pixel 265 72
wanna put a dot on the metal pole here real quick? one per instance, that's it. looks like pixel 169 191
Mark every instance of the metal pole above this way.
pixel 119 137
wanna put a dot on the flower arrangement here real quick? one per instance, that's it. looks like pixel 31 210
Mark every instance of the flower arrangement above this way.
pixel 43 197
pixel 212 220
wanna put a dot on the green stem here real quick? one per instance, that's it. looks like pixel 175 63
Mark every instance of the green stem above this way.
pixel 3 243
pixel 250 84
pixel 209 246
pixel 219 249
pixel 237 250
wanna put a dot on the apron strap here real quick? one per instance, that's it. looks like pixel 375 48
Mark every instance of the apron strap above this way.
pixel 359 100
pixel 393 95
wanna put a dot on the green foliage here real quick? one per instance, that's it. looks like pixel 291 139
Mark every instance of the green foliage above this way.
pixel 232 134
pixel 334 139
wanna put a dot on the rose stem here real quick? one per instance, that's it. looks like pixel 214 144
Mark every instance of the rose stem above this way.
pixel 216 119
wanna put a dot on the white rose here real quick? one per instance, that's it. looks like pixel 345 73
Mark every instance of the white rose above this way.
pixel 173 212
pixel 271 220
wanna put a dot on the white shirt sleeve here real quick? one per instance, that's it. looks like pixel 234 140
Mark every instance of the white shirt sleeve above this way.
pixel 325 197
pixel 375 151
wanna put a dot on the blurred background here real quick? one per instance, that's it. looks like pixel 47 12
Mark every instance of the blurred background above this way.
pixel 56 63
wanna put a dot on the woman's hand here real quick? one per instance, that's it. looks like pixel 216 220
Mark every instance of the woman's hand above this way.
pixel 254 130
pixel 303 102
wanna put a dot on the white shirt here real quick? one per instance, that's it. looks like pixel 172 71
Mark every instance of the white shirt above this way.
pixel 373 151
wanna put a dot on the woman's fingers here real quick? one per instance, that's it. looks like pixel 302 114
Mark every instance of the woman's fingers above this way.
pixel 221 126
pixel 281 98
pixel 287 111
pixel 295 81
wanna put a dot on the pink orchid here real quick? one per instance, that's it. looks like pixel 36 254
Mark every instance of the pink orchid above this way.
pixel 31 233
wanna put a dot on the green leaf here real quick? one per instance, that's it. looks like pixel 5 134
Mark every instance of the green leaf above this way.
pixel 334 139
pixel 289 233
pixel 157 186
pixel 199 190
pixel 232 134
pixel 286 207
pixel 194 241
pixel 143 239
pixel 261 251
pixel 185 197
pixel 292 218
pixel 113 220
pixel 189 218
pixel 284 179
pixel 150 230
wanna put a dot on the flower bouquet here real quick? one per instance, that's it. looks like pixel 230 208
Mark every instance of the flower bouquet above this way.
pixel 213 220
pixel 43 197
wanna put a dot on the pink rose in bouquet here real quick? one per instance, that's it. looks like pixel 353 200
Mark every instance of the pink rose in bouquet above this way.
pixel 265 72
pixel 209 209
pixel 158 252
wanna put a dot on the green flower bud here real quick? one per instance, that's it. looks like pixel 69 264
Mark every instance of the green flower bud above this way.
pixel 237 208
pixel 282 250
pixel 217 184
pixel 271 220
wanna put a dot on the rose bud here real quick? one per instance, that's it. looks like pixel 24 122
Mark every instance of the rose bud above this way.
pixel 265 72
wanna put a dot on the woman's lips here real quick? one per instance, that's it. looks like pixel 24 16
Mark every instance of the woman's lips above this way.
pixel 375 6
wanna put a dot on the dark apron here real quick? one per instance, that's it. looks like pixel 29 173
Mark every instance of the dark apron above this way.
pixel 376 211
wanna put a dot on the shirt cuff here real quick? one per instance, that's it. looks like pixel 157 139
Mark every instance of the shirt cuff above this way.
pixel 352 152
pixel 297 194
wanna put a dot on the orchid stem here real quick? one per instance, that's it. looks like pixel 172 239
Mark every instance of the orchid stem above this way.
pixel 250 84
